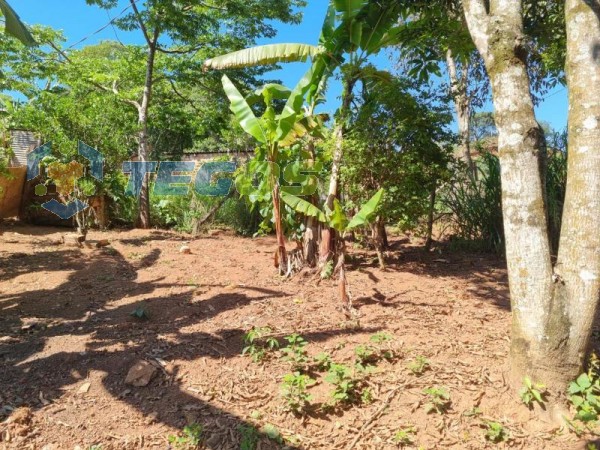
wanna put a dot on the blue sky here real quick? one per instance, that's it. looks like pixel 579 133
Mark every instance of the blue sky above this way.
pixel 78 21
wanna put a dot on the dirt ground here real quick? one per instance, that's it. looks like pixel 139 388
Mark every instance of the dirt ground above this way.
pixel 68 340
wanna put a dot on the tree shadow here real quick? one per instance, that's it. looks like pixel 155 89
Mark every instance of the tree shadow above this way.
pixel 92 305
pixel 485 273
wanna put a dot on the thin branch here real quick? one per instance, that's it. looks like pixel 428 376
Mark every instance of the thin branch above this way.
pixel 138 16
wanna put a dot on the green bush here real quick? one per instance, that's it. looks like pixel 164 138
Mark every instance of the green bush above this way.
pixel 236 214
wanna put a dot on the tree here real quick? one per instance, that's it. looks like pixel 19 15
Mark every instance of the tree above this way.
pixel 274 131
pixel 189 28
pixel 351 33
pixel 398 140
pixel 553 307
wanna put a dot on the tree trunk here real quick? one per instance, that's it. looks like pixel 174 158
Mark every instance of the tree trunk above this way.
pixel 498 35
pixel 577 271
pixel 143 144
pixel 377 237
pixel 282 260
pixel 431 217
pixel 462 105
pixel 328 235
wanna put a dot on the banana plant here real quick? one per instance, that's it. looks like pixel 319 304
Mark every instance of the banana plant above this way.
pixel 337 219
pixel 352 31
pixel 274 132
pixel 13 25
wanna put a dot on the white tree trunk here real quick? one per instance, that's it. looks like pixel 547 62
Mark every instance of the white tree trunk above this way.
pixel 498 35
pixel 578 264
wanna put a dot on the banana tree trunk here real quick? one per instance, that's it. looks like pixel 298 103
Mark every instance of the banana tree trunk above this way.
pixel 282 260
pixel 378 237
pixel 328 245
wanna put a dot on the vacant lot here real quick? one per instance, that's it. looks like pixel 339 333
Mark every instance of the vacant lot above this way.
pixel 74 321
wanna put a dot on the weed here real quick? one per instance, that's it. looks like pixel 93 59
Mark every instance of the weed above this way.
pixel 405 436
pixel 322 361
pixel 419 365
pixel 346 386
pixel 327 270
pixel 585 396
pixel 380 338
pixel 140 313
pixel 272 433
pixel 295 352
pixel 257 344
pixel 192 436
pixel 250 437
pixel 495 432
pixel 532 392
pixel 439 400
pixel 293 390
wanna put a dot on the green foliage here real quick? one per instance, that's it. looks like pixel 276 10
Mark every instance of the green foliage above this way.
pixel 397 140
pixel 438 400
pixel 250 437
pixel 295 351
pixel 192 436
pixel 322 361
pixel 405 436
pixel 258 344
pixel 532 392
pixel 293 390
pixel 327 270
pixel 272 433
pixel 584 394
pixel 14 26
pixel 419 365
pixel 381 337
pixel 345 384
pixel 495 432
pixel 236 214
pixel 140 313
pixel 473 206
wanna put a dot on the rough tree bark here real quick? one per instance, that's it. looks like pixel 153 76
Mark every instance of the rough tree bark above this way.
pixel 553 309
pixel 498 35
pixel 577 271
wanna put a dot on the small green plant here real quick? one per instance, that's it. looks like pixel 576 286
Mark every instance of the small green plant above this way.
pixel 405 436
pixel 346 386
pixel 322 361
pixel 250 437
pixel 585 396
pixel 295 351
pixel 365 355
pixel 327 271
pixel 439 400
pixel 272 433
pixel 293 390
pixel 495 432
pixel 140 313
pixel 419 365
pixel 192 436
pixel 257 343
pixel 532 392
pixel 381 337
